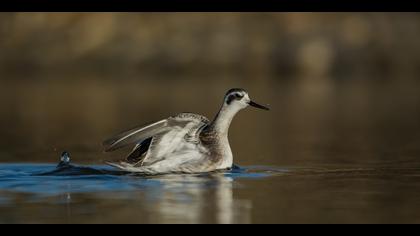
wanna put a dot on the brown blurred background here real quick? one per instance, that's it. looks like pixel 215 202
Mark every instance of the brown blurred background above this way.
pixel 343 87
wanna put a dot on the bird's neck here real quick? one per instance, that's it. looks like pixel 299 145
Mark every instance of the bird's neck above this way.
pixel 223 120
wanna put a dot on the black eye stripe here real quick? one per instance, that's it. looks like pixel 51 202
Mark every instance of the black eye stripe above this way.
pixel 232 97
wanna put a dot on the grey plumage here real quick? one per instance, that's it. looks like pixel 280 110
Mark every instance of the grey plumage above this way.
pixel 187 142
pixel 134 135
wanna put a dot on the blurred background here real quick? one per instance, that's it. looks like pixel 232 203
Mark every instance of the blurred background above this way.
pixel 343 87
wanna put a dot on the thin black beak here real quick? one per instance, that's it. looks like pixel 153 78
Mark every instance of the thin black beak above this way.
pixel 251 103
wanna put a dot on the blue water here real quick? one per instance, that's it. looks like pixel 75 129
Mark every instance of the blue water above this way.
pixel 41 193
pixel 46 180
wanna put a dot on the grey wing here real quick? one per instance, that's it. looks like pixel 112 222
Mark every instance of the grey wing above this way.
pixel 177 131
pixel 135 136
pixel 190 123
pixel 182 137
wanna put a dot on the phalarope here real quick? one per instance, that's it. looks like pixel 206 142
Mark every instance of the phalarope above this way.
pixel 185 143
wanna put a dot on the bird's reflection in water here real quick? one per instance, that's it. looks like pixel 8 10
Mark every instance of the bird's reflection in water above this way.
pixel 207 198
pixel 231 211
pixel 197 199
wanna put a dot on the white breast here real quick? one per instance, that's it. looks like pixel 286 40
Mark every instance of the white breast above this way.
pixel 227 154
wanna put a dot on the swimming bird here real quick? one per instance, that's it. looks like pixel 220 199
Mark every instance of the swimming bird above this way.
pixel 184 143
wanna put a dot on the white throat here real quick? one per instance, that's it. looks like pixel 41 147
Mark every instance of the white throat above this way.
pixel 224 118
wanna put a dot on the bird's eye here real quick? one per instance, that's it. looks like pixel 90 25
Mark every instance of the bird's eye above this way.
pixel 237 95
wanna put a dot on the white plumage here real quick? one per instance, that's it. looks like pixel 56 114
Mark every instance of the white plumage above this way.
pixel 185 143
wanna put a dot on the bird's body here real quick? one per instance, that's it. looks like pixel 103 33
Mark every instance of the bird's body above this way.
pixel 185 143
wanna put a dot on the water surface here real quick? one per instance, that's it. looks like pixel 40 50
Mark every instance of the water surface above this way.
pixel 37 193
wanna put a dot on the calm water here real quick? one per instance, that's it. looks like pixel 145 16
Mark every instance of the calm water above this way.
pixel 32 193
pixel 329 151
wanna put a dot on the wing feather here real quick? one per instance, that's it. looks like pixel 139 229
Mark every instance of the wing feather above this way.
pixel 135 135
pixel 180 138
pixel 166 136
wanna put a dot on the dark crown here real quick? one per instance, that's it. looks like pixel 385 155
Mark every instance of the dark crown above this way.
pixel 234 90
pixel 234 94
